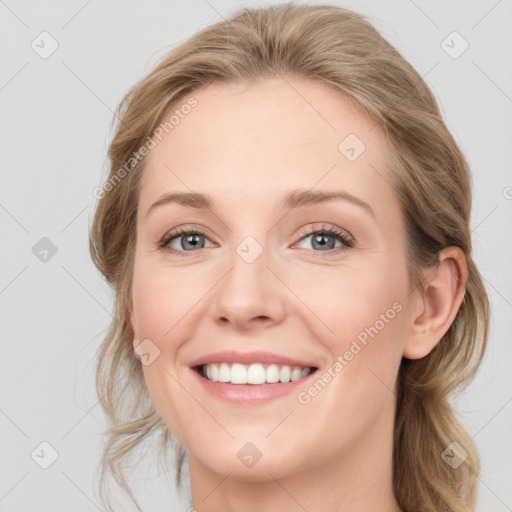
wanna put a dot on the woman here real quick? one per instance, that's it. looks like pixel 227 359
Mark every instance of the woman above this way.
pixel 286 228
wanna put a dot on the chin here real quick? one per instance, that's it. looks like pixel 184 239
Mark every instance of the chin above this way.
pixel 248 463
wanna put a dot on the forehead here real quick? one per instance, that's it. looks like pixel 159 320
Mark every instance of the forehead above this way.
pixel 254 142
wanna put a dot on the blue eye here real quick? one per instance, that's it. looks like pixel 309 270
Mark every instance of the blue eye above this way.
pixel 323 240
pixel 190 240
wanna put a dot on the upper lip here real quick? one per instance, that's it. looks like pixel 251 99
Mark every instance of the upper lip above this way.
pixel 233 356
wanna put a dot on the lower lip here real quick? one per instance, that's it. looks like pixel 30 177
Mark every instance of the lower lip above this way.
pixel 250 394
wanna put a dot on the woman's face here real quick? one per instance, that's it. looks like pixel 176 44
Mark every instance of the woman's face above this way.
pixel 255 282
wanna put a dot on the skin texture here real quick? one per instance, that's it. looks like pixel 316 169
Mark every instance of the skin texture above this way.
pixel 246 146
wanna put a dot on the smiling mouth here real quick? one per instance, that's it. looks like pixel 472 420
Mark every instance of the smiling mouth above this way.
pixel 256 374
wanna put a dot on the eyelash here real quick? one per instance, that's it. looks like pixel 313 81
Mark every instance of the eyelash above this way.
pixel 334 232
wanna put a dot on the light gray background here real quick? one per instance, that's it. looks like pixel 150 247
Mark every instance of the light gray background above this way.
pixel 54 132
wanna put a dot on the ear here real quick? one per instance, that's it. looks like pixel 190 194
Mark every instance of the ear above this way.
pixel 434 310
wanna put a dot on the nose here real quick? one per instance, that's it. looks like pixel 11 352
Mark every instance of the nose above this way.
pixel 250 296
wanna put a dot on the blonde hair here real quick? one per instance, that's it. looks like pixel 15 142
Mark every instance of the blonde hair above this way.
pixel 430 175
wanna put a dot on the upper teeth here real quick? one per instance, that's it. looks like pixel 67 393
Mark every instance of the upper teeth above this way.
pixel 237 373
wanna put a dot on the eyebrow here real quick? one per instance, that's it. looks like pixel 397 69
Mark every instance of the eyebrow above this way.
pixel 291 200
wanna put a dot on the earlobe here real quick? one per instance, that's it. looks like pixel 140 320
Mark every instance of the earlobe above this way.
pixel 435 309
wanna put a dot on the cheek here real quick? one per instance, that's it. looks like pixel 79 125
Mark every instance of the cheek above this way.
pixel 366 323
pixel 361 304
pixel 164 304
pixel 359 316
pixel 162 301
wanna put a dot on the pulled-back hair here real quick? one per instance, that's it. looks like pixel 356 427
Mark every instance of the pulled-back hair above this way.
pixel 429 173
